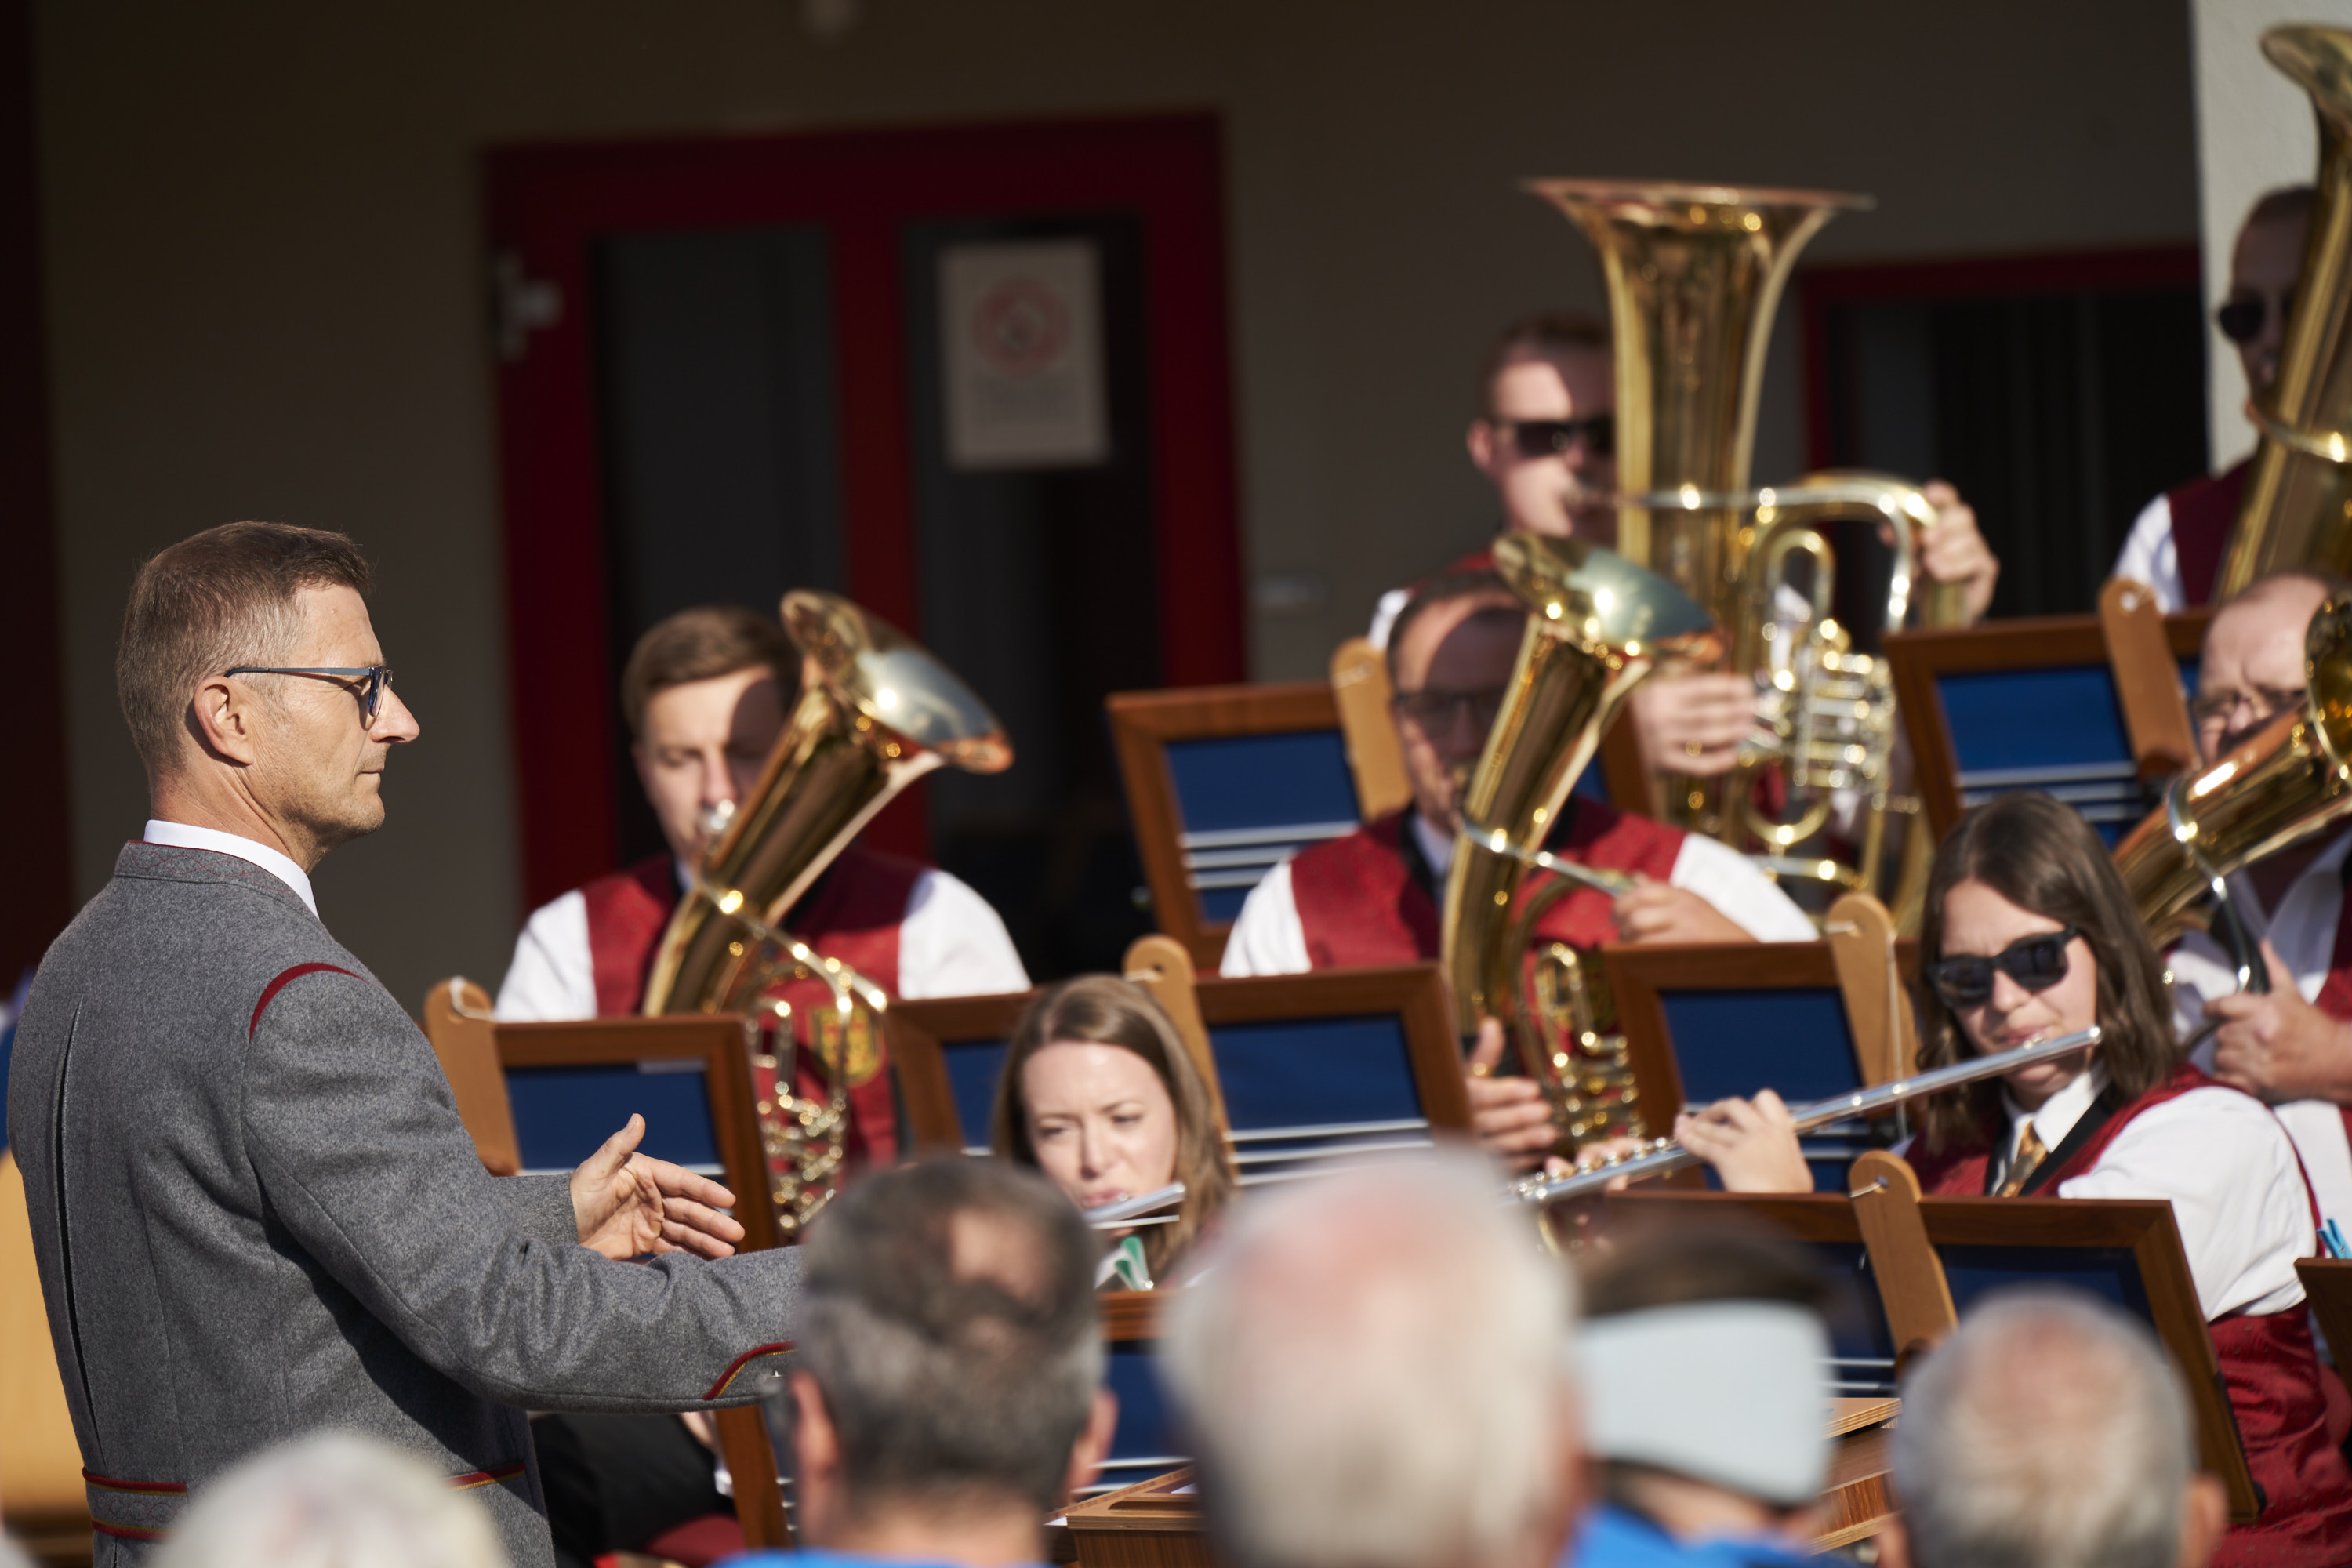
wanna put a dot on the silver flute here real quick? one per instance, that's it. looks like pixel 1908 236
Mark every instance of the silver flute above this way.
pixel 1663 1155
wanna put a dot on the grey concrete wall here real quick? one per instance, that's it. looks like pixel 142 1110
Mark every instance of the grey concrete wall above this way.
pixel 266 292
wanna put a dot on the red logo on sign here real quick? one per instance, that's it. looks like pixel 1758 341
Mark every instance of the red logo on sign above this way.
pixel 1021 327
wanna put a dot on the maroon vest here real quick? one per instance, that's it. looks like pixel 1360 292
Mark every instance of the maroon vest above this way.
pixel 2203 512
pixel 853 916
pixel 2267 1361
pixel 1360 905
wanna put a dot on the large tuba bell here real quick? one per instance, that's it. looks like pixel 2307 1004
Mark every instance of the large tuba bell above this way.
pixel 1693 274
pixel 2292 780
pixel 2298 510
pixel 1597 625
pixel 876 712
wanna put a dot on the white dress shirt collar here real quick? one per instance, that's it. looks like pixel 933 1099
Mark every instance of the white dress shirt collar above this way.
pixel 181 835
pixel 2059 1113
pixel 1436 844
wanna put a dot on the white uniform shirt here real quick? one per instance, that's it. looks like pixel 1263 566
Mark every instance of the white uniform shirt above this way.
pixel 2149 555
pixel 181 835
pixel 950 943
pixel 1269 939
pixel 2226 1166
pixel 2304 931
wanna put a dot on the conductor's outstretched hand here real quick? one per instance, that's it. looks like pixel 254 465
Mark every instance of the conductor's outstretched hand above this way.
pixel 628 1204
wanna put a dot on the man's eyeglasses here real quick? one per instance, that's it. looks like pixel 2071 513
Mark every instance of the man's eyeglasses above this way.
pixel 1552 437
pixel 375 679
pixel 1435 712
pixel 2212 708
pixel 2036 963
pixel 2241 316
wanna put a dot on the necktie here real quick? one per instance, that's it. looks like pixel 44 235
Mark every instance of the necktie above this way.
pixel 2030 1154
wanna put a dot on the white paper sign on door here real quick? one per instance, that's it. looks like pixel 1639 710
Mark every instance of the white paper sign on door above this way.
pixel 1021 354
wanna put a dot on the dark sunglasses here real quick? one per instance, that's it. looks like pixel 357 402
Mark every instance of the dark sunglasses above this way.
pixel 2241 316
pixel 1551 437
pixel 1435 712
pixel 375 679
pixel 2036 963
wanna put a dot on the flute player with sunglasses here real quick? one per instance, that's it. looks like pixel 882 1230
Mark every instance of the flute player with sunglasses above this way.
pixel 2028 933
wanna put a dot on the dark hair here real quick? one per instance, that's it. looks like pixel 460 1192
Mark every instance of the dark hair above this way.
pixel 1107 1010
pixel 941 1380
pixel 1675 1265
pixel 2286 202
pixel 219 599
pixel 1442 589
pixel 1543 333
pixel 2042 855
pixel 703 643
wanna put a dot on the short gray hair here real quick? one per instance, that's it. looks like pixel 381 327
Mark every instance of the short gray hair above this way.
pixel 334 1499
pixel 944 1373
pixel 2051 1431
pixel 1375 1373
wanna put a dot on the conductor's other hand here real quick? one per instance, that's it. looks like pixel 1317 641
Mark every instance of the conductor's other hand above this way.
pixel 1751 1143
pixel 2278 1046
pixel 629 1204
pixel 1694 723
pixel 1509 1114
pixel 1659 911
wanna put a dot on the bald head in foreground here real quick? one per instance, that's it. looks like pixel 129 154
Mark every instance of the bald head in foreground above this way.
pixel 1374 1370
pixel 2050 1432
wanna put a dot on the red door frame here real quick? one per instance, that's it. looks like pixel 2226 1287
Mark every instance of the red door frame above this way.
pixel 549 204
pixel 1967 278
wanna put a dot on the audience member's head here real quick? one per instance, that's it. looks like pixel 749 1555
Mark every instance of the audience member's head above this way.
pixel 1374 1371
pixel 1450 653
pixel 335 1500
pixel 2049 1431
pixel 2252 666
pixel 947 1393
pixel 1099 1092
pixel 2264 268
pixel 1546 431
pixel 705 693
pixel 1725 1327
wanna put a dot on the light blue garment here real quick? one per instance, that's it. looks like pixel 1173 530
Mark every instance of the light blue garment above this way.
pixel 1614 1537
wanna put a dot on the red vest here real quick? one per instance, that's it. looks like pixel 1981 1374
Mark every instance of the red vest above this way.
pixel 853 916
pixel 2203 512
pixel 1360 905
pixel 2267 1361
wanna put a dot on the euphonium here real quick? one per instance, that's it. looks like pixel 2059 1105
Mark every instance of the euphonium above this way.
pixel 876 712
pixel 1597 626
pixel 1693 274
pixel 2297 509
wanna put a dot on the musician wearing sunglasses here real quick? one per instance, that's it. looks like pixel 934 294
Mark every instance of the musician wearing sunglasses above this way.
pixel 2028 933
pixel 2176 543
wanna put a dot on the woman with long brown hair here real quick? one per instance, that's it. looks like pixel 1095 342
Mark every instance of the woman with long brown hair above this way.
pixel 1100 1093
pixel 2028 933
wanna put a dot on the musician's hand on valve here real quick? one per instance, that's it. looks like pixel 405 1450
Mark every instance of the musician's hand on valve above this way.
pixel 1508 1114
pixel 1694 723
pixel 1751 1143
pixel 2278 1046
pixel 1954 550
pixel 628 1204
pixel 1658 911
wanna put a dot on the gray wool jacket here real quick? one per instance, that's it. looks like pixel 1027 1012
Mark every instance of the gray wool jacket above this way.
pixel 258 1215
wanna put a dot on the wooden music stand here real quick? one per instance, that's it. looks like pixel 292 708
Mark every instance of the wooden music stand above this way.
pixel 459 1023
pixel 1161 965
pixel 2037 707
pixel 948 1054
pixel 2147 679
pixel 1361 693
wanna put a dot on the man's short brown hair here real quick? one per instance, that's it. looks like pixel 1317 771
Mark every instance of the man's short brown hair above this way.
pixel 221 598
pixel 703 643
pixel 1545 332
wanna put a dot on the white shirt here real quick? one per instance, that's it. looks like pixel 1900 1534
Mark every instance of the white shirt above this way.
pixel 2226 1166
pixel 2149 555
pixel 950 943
pixel 2303 932
pixel 1269 939
pixel 181 835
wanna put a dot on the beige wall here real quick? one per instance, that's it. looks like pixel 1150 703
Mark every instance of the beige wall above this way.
pixel 266 292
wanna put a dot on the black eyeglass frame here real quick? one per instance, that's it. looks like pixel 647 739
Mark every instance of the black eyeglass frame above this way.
pixel 1433 713
pixel 1555 437
pixel 2010 961
pixel 375 678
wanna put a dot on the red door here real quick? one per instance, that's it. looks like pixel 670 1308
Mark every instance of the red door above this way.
pixel 698 334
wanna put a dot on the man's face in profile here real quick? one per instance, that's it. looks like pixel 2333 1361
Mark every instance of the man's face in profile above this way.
pixel 2262 271
pixel 1538 443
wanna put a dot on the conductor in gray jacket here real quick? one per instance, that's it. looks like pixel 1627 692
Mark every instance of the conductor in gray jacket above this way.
pixel 256 1210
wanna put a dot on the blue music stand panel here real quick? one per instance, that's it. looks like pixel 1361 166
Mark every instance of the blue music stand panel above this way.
pixel 1299 1072
pixel 563 1115
pixel 2110 1273
pixel 1144 1442
pixel 1591 784
pixel 2059 729
pixel 1794 1042
pixel 1861 1347
pixel 1243 803
pixel 974 1068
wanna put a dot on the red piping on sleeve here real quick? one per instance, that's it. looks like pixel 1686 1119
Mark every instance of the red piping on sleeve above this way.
pixel 270 991
pixel 737 1365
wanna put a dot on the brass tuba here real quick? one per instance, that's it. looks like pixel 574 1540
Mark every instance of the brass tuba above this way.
pixel 1693 274
pixel 876 712
pixel 1597 625
pixel 2298 510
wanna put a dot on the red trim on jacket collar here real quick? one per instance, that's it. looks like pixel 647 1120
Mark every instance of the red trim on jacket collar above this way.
pixel 737 1365
pixel 270 991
